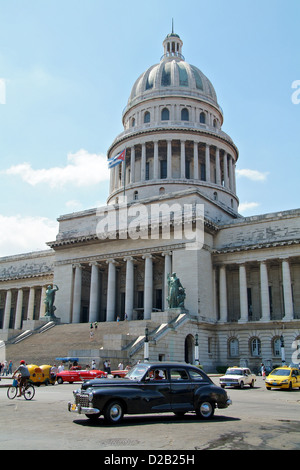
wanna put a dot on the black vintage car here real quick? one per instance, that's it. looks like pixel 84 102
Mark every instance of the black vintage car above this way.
pixel 150 388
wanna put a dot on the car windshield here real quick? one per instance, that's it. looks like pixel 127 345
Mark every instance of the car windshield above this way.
pixel 137 372
pixel 284 372
pixel 234 372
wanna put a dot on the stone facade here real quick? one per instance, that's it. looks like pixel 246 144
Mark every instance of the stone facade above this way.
pixel 242 282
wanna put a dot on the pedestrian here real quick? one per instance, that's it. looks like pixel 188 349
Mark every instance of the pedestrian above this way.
pixel 10 366
pixel 61 367
pixel 93 364
pixel 96 325
pixel 53 372
pixel 121 366
pixel 263 371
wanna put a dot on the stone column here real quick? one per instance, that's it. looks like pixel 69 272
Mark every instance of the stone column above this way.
pixel 7 310
pixel 42 304
pixel 94 293
pixel 111 291
pixel 223 294
pixel 169 159
pixel 129 288
pixel 196 161
pixel 218 172
pixel 231 186
pixel 143 163
pixel 243 294
pixel 225 170
pixel 264 292
pixel 287 291
pixel 30 310
pixel 148 286
pixel 18 318
pixel 132 164
pixel 168 270
pixel 77 294
pixel 155 162
pixel 207 163
pixel 182 159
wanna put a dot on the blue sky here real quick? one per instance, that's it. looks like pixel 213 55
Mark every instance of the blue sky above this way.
pixel 66 72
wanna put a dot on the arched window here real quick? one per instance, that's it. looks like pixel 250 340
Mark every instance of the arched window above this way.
pixel 132 122
pixel 233 347
pixel 215 123
pixel 202 118
pixel 255 347
pixel 184 114
pixel 276 347
pixel 165 114
pixel 146 117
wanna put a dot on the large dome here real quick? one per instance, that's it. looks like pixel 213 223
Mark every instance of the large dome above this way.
pixel 171 77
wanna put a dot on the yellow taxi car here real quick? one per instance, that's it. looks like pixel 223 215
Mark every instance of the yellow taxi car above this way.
pixel 284 378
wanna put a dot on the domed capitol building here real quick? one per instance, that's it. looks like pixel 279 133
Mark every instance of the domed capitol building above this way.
pixel 171 222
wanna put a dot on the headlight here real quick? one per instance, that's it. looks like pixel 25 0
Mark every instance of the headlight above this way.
pixel 284 382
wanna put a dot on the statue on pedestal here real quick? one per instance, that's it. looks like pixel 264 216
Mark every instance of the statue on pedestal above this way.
pixel 176 293
pixel 49 301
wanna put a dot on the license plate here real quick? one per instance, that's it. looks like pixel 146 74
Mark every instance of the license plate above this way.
pixel 73 407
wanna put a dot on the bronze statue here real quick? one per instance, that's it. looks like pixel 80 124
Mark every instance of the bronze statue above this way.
pixel 49 301
pixel 177 294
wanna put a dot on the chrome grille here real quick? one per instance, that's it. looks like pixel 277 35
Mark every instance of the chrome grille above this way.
pixel 82 400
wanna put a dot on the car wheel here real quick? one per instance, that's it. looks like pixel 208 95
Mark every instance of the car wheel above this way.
pixel 60 380
pixel 205 410
pixel 252 384
pixel 113 412
pixel 241 384
pixel 290 386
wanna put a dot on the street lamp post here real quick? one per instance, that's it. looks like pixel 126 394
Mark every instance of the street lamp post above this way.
pixel 282 350
pixel 146 345
pixel 196 350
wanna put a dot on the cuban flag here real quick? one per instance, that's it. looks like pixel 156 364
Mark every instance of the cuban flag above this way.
pixel 117 159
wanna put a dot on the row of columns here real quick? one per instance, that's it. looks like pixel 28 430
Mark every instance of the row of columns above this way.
pixel 111 288
pixel 19 307
pixel 228 166
pixel 264 292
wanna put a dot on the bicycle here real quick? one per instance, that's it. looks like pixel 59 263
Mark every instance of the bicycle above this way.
pixel 28 391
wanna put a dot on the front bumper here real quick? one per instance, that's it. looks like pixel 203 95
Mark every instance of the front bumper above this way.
pixel 79 409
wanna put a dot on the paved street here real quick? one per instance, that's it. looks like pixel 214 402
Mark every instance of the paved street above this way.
pixel 257 419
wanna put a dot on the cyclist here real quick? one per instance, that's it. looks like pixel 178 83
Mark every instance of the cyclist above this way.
pixel 24 376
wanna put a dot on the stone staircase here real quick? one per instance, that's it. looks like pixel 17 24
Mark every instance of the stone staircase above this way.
pixel 116 341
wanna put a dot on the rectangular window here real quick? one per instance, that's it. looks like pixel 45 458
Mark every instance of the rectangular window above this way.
pixel 163 169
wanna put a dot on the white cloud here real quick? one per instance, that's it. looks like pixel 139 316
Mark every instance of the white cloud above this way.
pixel 24 234
pixel 83 169
pixel 247 206
pixel 253 175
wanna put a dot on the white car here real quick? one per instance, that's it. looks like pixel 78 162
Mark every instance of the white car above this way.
pixel 238 377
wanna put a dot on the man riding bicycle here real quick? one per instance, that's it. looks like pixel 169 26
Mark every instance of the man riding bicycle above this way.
pixel 24 375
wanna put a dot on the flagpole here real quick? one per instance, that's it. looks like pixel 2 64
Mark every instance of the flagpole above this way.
pixel 124 176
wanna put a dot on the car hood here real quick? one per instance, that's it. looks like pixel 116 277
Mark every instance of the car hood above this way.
pixel 96 383
pixel 231 376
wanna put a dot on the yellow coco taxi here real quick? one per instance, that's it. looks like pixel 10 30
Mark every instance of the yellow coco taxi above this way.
pixel 283 377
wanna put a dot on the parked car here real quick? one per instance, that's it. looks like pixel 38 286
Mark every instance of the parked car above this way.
pixel 79 375
pixel 283 377
pixel 237 377
pixel 120 373
pixel 150 388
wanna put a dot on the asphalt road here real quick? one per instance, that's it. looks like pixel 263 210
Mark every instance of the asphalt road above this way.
pixel 257 420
